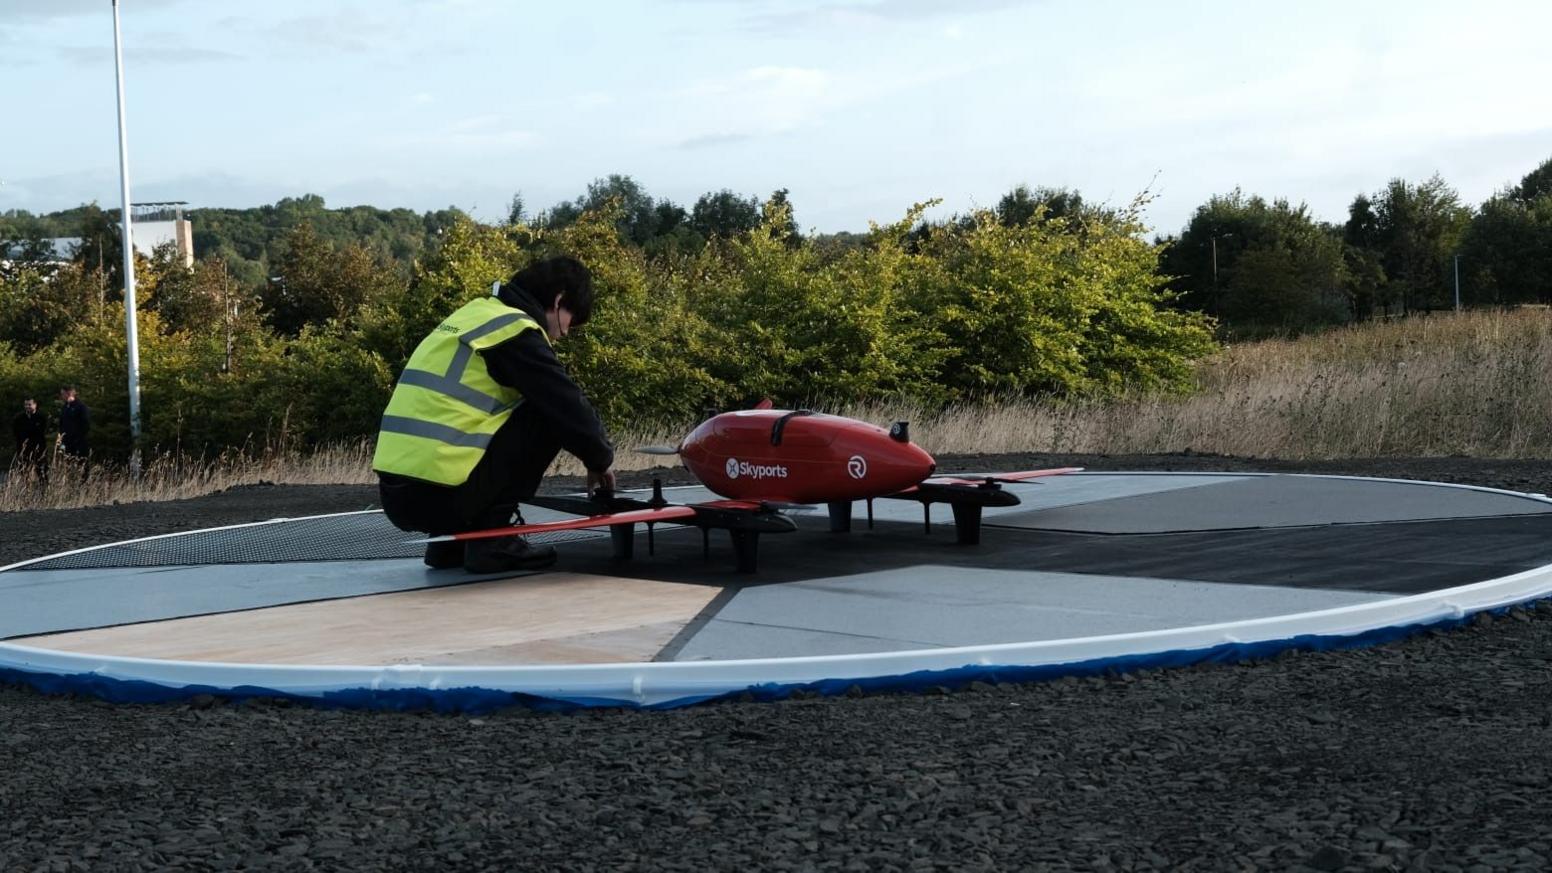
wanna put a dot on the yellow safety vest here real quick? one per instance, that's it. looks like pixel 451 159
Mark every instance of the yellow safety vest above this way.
pixel 446 406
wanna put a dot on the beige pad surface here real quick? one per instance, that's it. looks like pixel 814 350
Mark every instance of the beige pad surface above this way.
pixel 542 619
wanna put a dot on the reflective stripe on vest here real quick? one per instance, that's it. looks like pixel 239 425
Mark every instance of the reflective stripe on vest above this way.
pixel 446 407
pixel 432 431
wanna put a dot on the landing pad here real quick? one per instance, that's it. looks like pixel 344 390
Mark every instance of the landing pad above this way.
pixel 1092 571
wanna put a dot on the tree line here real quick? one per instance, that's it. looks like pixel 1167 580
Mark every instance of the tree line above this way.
pixel 943 313
pixel 1269 268
pixel 293 323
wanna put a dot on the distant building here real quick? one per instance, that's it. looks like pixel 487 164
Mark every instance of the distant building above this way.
pixel 150 225
pixel 154 224
pixel 60 250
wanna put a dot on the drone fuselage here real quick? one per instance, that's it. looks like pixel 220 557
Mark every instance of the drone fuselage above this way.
pixel 783 456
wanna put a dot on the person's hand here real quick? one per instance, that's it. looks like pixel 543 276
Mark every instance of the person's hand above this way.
pixel 602 481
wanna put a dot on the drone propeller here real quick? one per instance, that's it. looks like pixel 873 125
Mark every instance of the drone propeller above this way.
pixel 658 450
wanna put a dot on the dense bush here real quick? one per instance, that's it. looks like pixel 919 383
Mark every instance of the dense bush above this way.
pixel 1063 306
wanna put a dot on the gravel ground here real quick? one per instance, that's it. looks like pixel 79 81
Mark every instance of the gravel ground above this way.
pixel 1433 753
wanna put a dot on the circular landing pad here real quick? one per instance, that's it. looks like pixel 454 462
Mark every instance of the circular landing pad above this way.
pixel 1093 571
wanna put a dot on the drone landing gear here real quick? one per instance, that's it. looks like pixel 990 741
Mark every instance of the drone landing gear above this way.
pixel 840 516
pixel 744 525
pixel 968 502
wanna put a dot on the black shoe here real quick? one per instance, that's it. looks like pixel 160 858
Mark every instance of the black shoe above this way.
pixel 444 555
pixel 504 554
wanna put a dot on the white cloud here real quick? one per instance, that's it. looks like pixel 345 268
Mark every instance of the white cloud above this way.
pixel 591 100
pixel 342 29
pixel 829 16
pixel 53 9
pixel 759 101
pixel 475 133
pixel 772 100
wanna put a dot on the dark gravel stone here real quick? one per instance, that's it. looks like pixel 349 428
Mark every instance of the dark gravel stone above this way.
pixel 1432 753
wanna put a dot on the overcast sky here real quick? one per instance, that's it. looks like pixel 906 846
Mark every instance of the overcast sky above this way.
pixel 859 107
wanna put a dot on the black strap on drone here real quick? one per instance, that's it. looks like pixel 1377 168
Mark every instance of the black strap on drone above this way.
pixel 781 424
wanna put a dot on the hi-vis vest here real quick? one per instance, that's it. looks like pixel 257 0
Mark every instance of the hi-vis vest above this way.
pixel 446 406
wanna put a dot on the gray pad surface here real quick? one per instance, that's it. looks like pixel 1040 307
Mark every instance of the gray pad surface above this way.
pixel 892 586
pixel 1268 501
pixel 939 606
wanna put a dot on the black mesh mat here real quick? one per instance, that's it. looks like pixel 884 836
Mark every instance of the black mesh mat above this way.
pixel 359 537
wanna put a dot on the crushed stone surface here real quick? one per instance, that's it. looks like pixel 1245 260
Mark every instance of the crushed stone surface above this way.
pixel 1432 753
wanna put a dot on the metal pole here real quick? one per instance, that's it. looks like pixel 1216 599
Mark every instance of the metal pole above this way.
pixel 130 331
pixel 1457 283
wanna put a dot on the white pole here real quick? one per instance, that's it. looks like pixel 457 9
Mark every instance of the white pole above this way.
pixel 129 260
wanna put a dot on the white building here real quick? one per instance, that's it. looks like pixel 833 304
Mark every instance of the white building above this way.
pixel 150 225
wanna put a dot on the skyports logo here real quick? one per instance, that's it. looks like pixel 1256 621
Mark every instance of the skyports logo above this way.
pixel 736 468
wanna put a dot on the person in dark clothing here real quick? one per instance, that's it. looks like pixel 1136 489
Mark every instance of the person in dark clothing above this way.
pixel 481 411
pixel 29 427
pixel 74 424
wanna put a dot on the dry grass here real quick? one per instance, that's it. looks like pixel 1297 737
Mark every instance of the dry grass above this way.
pixel 1469 384
pixel 171 477
pixel 1446 384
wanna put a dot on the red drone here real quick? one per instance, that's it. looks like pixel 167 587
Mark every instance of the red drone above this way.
pixel 763 460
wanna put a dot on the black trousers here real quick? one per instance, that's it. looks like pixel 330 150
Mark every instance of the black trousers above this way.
pixel 79 456
pixel 519 454
pixel 30 455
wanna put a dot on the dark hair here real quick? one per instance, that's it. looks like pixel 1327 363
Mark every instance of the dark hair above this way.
pixel 563 277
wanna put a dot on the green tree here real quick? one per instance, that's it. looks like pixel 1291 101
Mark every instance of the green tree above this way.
pixel 1024 204
pixel 724 214
pixel 779 206
pixel 640 356
pixel 1506 252
pixel 517 210
pixel 1416 229
pixel 39 305
pixel 467 259
pixel 639 218
pixel 1294 278
pixel 316 282
pixel 789 325
pixel 1536 184
pixel 1034 309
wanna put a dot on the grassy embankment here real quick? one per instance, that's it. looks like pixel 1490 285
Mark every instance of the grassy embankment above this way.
pixel 1471 384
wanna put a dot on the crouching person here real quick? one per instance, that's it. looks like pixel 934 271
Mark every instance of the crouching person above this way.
pixel 481 411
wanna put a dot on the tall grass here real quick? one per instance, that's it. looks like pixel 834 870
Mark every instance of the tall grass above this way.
pixel 1469 384
pixel 1445 384
pixel 174 477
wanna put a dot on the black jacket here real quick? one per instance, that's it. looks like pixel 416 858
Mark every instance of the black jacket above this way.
pixel 29 431
pixel 74 423
pixel 526 362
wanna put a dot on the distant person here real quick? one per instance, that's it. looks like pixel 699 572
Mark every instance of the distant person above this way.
pixel 480 412
pixel 75 424
pixel 29 427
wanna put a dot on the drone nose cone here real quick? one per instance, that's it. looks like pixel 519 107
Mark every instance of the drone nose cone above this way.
pixel 919 461
pixel 895 464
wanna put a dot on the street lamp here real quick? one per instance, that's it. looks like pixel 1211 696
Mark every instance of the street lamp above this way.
pixel 1215 256
pixel 1217 304
pixel 129 260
